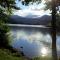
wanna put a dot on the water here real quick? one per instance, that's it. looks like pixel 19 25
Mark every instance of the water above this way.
pixel 33 42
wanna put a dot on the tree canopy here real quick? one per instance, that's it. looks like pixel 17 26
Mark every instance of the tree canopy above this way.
pixel 5 10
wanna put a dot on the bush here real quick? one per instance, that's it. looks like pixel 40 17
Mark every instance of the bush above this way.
pixel 3 31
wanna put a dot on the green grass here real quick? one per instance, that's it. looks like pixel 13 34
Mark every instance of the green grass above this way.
pixel 7 55
pixel 42 58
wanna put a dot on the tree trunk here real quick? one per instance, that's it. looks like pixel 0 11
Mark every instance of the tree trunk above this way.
pixel 53 32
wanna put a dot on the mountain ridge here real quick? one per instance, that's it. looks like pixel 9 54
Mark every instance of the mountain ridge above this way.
pixel 43 20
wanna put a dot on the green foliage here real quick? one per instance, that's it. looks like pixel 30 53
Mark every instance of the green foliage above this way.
pixel 3 30
pixel 5 54
pixel 7 3
pixel 48 5
pixel 42 58
pixel 5 11
pixel 26 2
pixel 3 36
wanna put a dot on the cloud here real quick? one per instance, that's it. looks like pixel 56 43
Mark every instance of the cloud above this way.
pixel 31 13
pixel 33 10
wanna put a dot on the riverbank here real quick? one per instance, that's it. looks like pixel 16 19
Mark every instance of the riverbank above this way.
pixel 5 54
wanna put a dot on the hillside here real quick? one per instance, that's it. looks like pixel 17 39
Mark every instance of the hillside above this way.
pixel 44 20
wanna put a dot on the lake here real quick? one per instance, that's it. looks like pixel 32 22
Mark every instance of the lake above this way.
pixel 33 41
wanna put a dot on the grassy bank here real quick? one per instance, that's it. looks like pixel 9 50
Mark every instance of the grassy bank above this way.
pixel 44 58
pixel 5 54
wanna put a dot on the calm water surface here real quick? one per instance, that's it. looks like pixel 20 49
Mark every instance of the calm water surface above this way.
pixel 33 42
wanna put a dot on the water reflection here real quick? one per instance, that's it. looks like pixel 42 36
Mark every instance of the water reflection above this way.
pixel 35 42
pixel 44 51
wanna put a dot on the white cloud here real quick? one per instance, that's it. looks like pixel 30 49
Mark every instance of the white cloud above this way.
pixel 33 10
pixel 31 13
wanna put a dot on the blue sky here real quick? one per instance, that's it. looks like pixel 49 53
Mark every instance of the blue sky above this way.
pixel 31 10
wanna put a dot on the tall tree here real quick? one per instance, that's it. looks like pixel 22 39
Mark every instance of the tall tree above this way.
pixel 53 32
pixel 5 10
pixel 53 5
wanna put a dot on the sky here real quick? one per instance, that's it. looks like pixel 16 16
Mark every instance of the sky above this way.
pixel 31 10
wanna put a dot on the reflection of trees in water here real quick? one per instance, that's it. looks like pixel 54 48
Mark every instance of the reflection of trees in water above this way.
pixel 48 44
pixel 35 31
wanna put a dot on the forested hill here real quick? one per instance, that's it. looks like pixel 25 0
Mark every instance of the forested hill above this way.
pixel 44 20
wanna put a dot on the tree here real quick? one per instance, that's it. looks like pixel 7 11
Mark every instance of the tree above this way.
pixel 53 32
pixel 55 4
pixel 6 7
pixel 52 5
